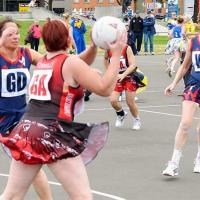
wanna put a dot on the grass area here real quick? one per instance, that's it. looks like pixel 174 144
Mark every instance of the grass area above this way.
pixel 159 41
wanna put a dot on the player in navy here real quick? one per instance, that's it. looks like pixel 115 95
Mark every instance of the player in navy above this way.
pixel 191 101
pixel 15 64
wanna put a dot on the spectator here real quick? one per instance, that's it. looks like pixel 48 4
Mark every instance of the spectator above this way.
pixel 36 30
pixel 136 26
pixel 129 12
pixel 130 40
pixel 149 32
pixel 79 30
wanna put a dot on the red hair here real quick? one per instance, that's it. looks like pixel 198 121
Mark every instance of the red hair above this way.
pixel 55 36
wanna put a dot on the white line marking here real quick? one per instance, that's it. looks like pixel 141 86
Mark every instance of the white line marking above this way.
pixel 93 191
pixel 147 111
pixel 162 113
pixel 110 108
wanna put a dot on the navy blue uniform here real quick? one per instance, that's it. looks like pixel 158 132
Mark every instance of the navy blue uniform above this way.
pixel 14 78
pixel 192 91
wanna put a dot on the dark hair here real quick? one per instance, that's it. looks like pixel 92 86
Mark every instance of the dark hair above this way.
pixel 55 35
pixel 4 22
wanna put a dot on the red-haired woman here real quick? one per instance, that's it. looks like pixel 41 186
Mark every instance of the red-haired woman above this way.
pixel 47 133
pixel 15 63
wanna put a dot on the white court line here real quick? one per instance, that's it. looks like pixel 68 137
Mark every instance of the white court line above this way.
pixel 147 111
pixel 93 191
pixel 110 108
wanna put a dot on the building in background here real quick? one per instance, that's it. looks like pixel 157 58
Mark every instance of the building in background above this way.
pixel 59 6
pixel 11 5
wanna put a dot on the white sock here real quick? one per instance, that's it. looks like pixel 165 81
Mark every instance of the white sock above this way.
pixel 176 156
pixel 136 118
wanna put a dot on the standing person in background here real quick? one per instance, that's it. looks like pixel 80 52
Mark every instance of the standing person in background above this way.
pixel 79 29
pixel 15 63
pixel 36 35
pixel 136 26
pixel 149 32
pixel 48 128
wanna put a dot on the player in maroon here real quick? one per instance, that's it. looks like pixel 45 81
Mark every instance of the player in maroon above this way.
pixel 125 83
pixel 47 133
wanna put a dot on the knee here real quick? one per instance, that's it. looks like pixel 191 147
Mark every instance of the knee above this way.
pixel 185 126
pixel 113 101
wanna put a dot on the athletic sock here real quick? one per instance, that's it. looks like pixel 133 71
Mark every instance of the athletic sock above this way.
pixel 120 113
pixel 176 156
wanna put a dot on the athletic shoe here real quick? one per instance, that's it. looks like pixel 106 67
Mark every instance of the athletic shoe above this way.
pixel 152 53
pixel 197 165
pixel 171 170
pixel 120 120
pixel 170 73
pixel 136 124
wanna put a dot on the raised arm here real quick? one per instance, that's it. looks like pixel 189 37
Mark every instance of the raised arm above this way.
pixel 77 70
pixel 90 53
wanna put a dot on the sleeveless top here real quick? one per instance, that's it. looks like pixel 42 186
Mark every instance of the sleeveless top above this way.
pixel 123 60
pixel 50 96
pixel 14 78
pixel 195 49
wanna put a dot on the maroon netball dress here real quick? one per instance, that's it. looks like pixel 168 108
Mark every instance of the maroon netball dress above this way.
pixel 128 83
pixel 47 131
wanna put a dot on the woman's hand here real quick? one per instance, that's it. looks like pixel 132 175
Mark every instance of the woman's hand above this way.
pixel 92 44
pixel 120 77
pixel 117 46
pixel 169 89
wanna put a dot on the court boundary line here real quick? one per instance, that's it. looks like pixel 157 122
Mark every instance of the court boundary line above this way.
pixel 93 191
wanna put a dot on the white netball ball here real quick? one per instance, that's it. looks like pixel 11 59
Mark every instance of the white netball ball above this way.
pixel 105 31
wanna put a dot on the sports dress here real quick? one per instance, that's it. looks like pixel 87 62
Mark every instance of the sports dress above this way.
pixel 192 91
pixel 47 132
pixel 128 83
pixel 14 78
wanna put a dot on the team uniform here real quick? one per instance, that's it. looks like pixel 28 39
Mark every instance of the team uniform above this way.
pixel 128 83
pixel 191 92
pixel 176 43
pixel 14 79
pixel 47 132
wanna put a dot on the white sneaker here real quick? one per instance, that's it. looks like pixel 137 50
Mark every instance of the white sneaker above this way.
pixel 120 120
pixel 171 170
pixel 136 124
pixel 197 165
